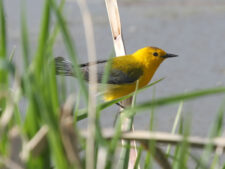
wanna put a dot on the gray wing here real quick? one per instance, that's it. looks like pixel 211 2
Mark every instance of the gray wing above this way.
pixel 116 76
pixel 119 77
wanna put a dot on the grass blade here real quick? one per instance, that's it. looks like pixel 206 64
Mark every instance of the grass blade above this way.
pixel 173 99
pixel 177 118
pixel 70 47
pixel 3 52
pixel 24 33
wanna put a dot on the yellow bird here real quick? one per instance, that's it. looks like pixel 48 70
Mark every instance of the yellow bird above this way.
pixel 125 70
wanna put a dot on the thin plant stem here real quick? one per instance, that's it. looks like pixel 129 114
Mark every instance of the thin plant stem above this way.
pixel 89 32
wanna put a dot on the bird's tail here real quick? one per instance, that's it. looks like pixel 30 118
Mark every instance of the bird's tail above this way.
pixel 63 67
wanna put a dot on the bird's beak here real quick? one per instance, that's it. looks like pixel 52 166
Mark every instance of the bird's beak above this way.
pixel 169 55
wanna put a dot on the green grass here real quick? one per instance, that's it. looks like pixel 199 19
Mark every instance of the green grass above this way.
pixel 63 145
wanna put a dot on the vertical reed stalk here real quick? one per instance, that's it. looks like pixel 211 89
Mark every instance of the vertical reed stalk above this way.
pixel 89 32
pixel 114 20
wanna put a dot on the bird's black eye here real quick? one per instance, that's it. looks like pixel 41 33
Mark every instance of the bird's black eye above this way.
pixel 155 54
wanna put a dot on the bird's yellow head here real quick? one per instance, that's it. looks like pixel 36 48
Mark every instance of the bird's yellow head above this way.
pixel 152 55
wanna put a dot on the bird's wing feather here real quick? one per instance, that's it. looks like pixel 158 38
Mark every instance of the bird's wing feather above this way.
pixel 120 77
pixel 63 66
pixel 123 71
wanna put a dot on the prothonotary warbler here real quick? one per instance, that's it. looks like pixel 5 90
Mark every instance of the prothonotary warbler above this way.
pixel 124 72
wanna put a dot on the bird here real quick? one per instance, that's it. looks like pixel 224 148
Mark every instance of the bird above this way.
pixel 124 73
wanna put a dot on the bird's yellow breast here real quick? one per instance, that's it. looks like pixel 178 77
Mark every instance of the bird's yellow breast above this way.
pixel 117 91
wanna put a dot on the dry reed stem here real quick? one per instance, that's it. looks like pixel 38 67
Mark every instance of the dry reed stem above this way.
pixel 15 147
pixel 158 155
pixel 115 25
pixel 219 149
pixel 102 158
pixel 9 164
pixel 69 137
pixel 92 101
pixel 114 20
pixel 164 138
pixel 36 145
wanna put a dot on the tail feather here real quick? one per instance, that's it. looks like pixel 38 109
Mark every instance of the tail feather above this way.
pixel 63 67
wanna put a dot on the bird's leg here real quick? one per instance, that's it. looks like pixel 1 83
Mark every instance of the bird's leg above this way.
pixel 117 114
pixel 120 105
